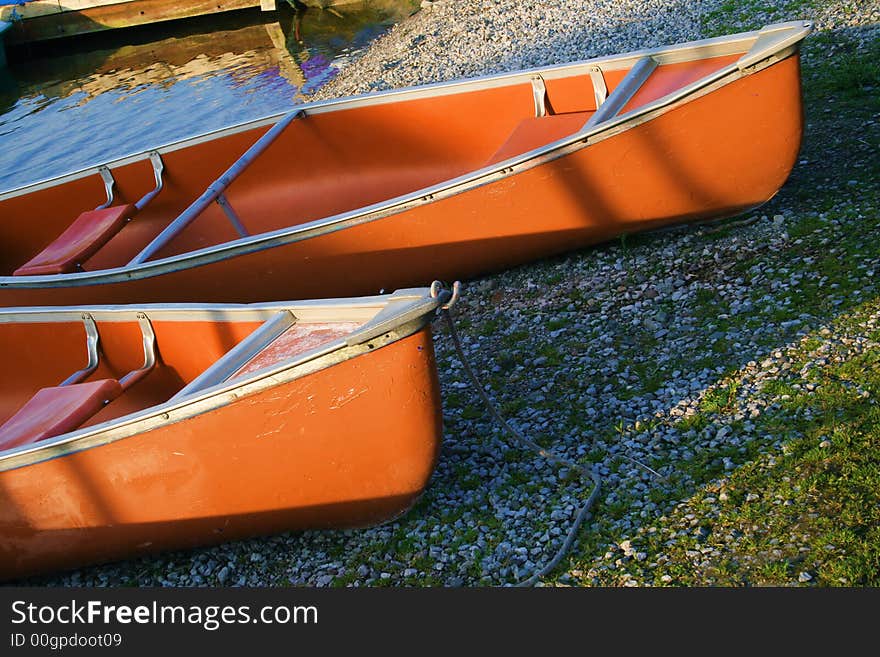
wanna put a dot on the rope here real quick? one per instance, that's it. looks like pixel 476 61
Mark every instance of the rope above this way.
pixel 591 473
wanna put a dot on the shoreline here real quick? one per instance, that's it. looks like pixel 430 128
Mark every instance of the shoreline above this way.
pixel 447 40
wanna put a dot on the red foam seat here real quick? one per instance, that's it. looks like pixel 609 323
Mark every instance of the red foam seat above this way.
pixel 54 411
pixel 538 131
pixel 80 241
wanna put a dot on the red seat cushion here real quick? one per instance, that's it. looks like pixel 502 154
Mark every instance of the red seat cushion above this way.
pixel 538 131
pixel 81 240
pixel 54 411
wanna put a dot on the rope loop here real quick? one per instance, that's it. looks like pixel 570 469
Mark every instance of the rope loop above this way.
pixel 586 473
pixel 437 289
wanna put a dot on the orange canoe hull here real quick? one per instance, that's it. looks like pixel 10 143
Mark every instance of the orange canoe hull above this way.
pixel 350 445
pixel 713 153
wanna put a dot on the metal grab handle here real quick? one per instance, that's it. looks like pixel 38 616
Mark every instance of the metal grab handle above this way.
pixel 600 91
pixel 109 182
pixel 91 347
pixel 539 94
pixel 215 189
pixel 107 177
pixel 624 92
pixel 148 337
pixel 158 168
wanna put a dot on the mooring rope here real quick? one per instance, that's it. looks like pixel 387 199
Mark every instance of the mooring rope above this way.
pixel 590 473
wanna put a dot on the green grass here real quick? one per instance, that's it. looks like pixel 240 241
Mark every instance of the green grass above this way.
pixel 811 514
pixel 720 400
pixel 836 501
pixel 738 15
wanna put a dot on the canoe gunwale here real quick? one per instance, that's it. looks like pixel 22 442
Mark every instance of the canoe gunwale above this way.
pixel 399 315
pixel 673 54
pixel 792 34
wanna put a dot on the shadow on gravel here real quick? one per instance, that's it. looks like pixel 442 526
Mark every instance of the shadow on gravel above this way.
pixel 825 269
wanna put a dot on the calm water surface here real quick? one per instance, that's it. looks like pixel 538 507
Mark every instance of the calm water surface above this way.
pixel 86 100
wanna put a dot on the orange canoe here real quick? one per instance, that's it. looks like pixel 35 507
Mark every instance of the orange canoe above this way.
pixel 179 425
pixel 450 180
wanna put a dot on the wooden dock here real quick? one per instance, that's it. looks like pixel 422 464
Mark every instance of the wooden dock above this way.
pixel 41 20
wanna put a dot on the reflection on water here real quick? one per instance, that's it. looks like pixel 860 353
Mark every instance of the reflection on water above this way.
pixel 71 104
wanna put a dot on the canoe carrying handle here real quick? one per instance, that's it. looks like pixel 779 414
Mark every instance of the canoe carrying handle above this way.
pixel 92 347
pixel 215 189
pixel 624 92
pixel 107 177
pixel 239 356
pixel 148 337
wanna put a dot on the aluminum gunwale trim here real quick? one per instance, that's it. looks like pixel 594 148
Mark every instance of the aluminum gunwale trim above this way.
pixel 211 398
pixel 186 312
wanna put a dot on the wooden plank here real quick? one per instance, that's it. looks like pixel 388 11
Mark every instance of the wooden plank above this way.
pixel 98 15
pixel 79 5
pixel 31 9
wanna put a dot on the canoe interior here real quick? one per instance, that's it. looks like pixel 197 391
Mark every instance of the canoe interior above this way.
pixel 43 354
pixel 324 164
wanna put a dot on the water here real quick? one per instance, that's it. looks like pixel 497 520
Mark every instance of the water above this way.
pixel 74 103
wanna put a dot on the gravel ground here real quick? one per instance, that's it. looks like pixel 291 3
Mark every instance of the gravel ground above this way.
pixel 611 355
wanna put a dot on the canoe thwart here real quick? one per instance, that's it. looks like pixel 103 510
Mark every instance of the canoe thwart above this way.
pixel 624 91
pixel 538 131
pixel 216 189
pixel 240 354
